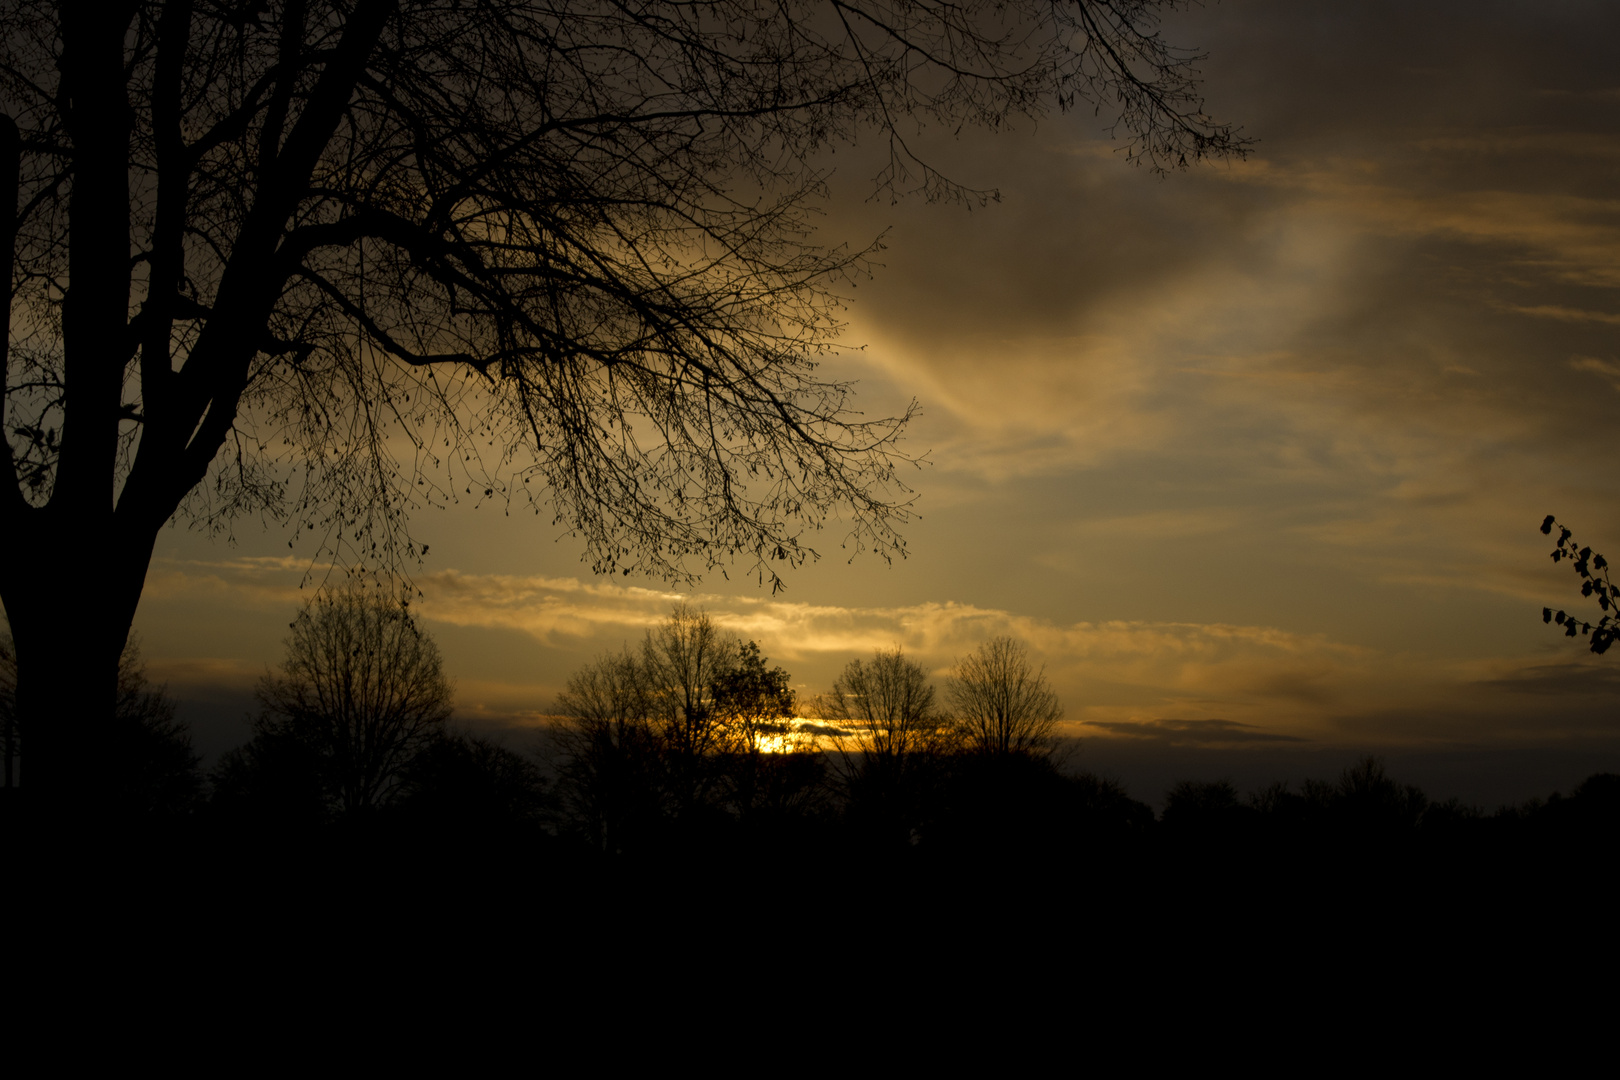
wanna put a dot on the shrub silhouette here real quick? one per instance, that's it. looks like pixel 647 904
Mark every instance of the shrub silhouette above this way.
pixel 1205 811
pixel 158 771
pixel 469 786
pixel 1023 807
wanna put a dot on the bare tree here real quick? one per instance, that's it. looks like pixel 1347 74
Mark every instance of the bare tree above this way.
pixel 1002 705
pixel 362 689
pixel 611 752
pixel 682 659
pixel 158 770
pixel 891 738
pixel 681 727
pixel 641 731
pixel 336 262
pixel 886 707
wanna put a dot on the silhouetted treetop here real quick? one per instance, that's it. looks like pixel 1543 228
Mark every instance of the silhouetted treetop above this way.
pixel 361 691
pixel 885 708
pixel 754 702
pixel 1002 704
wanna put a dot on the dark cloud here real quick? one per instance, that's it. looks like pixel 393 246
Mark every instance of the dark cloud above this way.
pixel 1192 732
pixel 1561 680
pixel 826 730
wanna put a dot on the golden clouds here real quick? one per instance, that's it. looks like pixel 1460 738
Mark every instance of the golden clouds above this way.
pixel 1108 665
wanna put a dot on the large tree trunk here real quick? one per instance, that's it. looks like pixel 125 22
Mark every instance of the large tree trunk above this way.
pixel 71 571
pixel 69 636
pixel 69 574
pixel 71 584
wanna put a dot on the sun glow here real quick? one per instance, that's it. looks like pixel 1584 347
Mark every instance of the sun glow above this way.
pixel 803 736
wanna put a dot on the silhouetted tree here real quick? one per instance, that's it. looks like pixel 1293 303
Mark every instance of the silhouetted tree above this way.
pixel 754 705
pixel 158 771
pixel 677 740
pixel 278 780
pixel 467 786
pixel 1209 823
pixel 1587 819
pixel 1370 798
pixel 1203 807
pixel 612 765
pixel 682 660
pixel 1106 806
pixel 886 706
pixel 1363 803
pixel 1001 705
pixel 336 261
pixel 360 693
pixel 890 742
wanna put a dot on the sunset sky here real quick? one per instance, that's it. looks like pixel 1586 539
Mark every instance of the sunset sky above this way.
pixel 1252 456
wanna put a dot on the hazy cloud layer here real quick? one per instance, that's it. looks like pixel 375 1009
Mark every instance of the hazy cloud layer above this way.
pixel 1183 683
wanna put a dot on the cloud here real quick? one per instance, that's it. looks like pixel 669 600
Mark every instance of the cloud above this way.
pixel 1202 666
pixel 1564 314
pixel 1566 680
pixel 1201 733
pixel 1606 369
pixel 1216 659
pixel 259 581
pixel 1177 682
pixel 182 674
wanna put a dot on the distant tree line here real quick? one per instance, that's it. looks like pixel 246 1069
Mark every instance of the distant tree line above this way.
pixel 694 748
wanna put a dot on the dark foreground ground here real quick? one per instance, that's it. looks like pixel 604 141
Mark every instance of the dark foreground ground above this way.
pixel 978 841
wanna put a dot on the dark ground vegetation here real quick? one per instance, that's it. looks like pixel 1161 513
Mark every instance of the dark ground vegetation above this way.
pixel 675 772
pixel 472 812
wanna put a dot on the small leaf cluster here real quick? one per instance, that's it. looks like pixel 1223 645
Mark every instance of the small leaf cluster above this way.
pixel 1594 573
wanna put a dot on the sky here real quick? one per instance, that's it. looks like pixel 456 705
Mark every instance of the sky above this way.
pixel 1251 456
